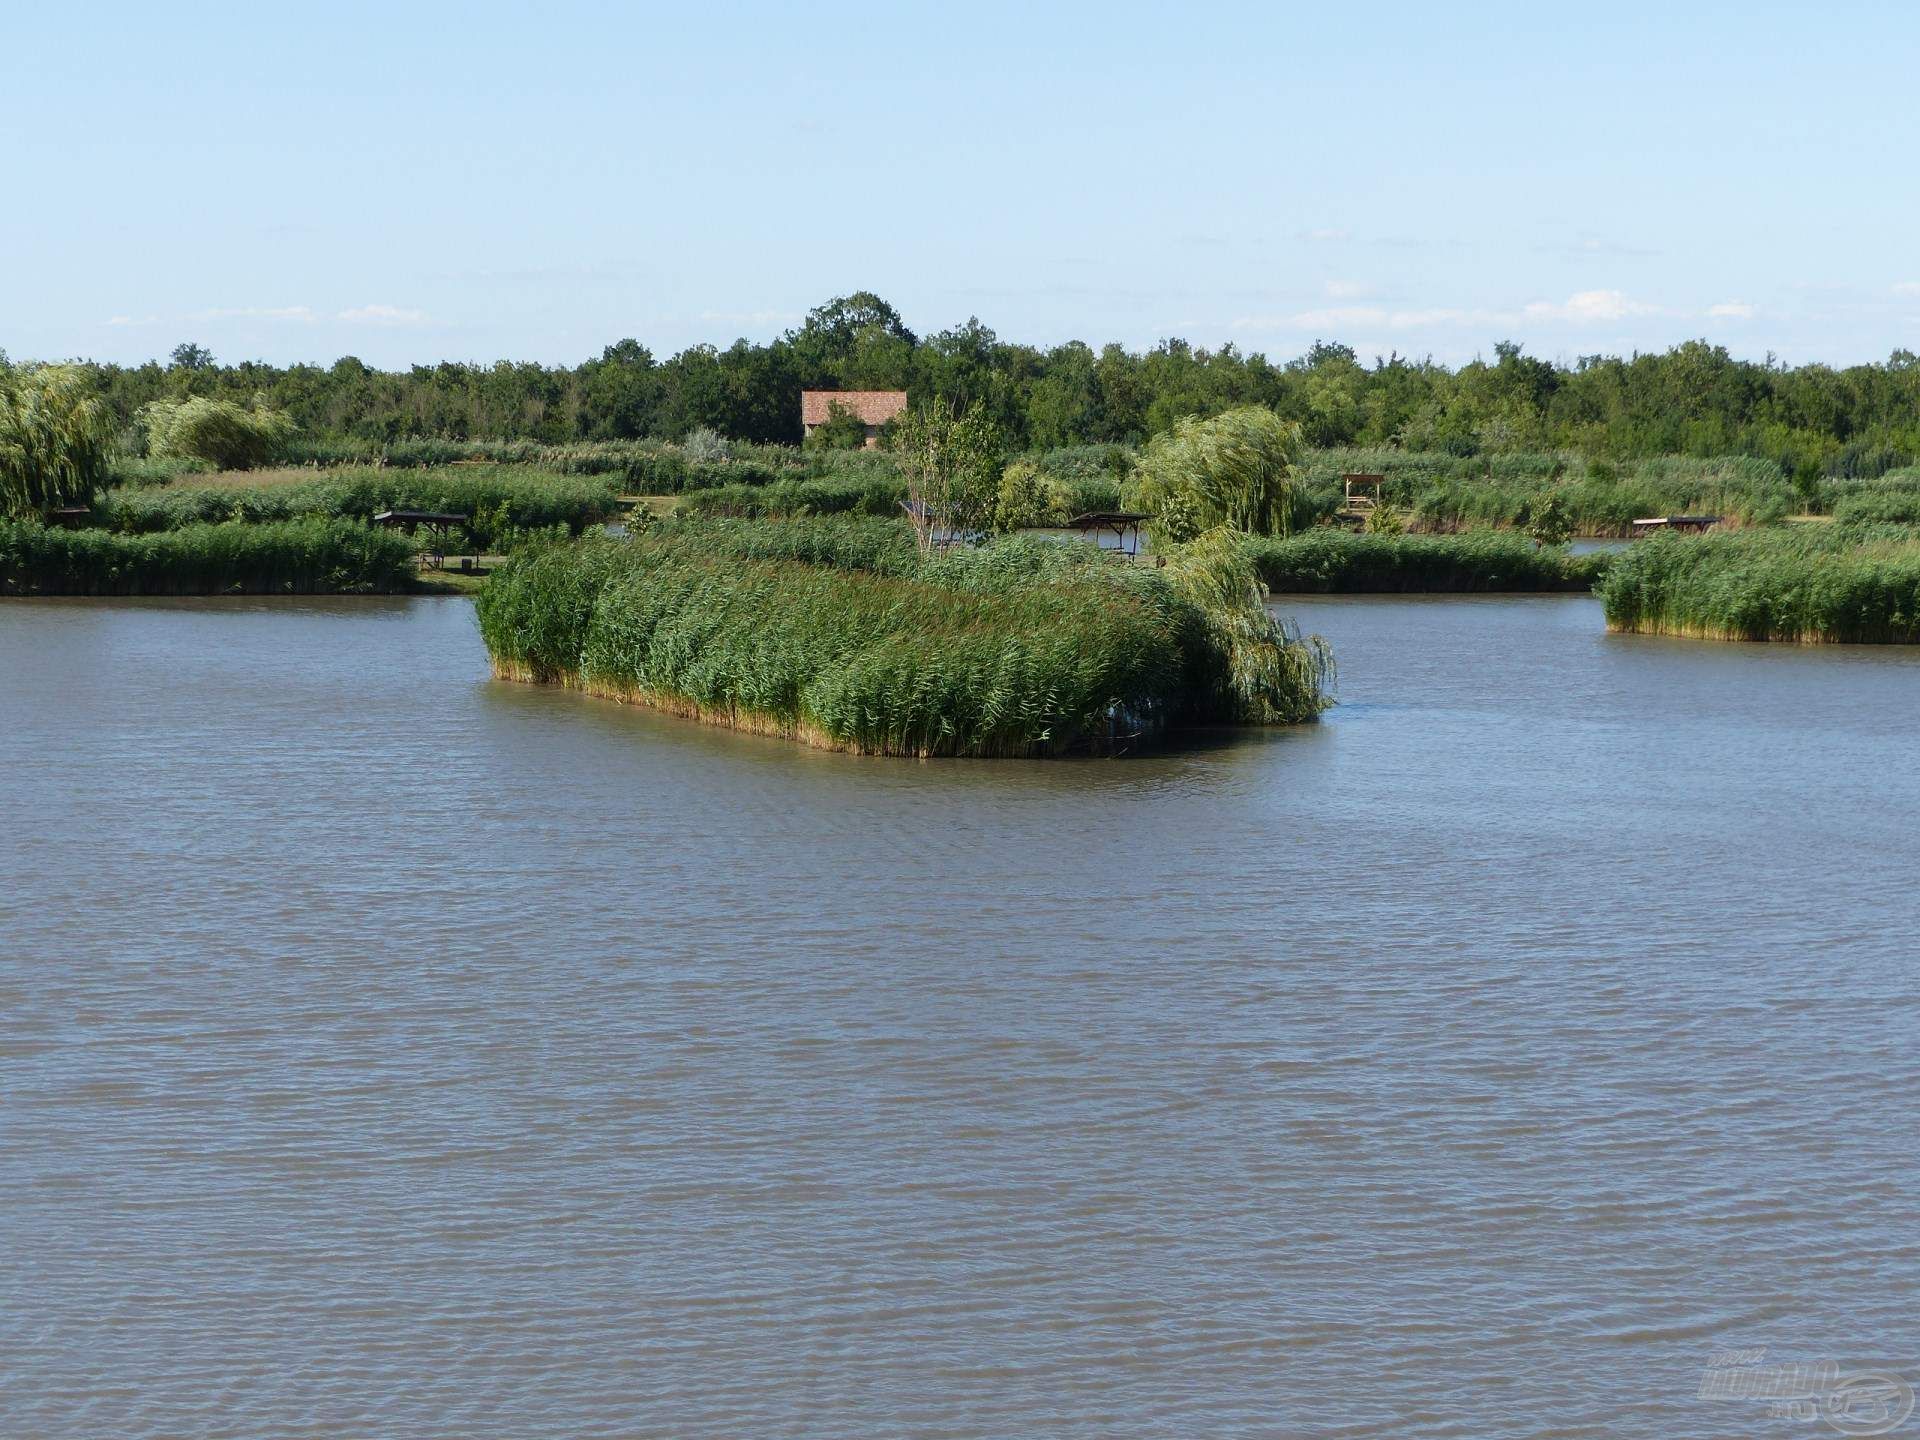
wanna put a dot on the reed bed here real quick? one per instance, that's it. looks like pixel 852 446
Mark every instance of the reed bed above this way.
pixel 504 501
pixel 835 634
pixel 298 557
pixel 1442 493
pixel 1328 561
pixel 1810 585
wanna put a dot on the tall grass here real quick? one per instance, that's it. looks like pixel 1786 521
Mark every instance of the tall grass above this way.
pixel 301 557
pixel 646 467
pixel 1331 561
pixel 1807 584
pixel 832 632
pixel 500 499
pixel 1442 492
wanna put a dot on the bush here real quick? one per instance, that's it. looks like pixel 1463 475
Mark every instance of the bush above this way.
pixel 1027 499
pixel 226 435
pixel 705 447
pixel 305 557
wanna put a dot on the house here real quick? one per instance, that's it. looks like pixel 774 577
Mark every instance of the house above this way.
pixel 872 408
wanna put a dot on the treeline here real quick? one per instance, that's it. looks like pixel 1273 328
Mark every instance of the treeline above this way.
pixel 1694 399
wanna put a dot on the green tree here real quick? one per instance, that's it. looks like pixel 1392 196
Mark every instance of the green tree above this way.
pixel 1238 469
pixel 220 432
pixel 53 438
pixel 952 467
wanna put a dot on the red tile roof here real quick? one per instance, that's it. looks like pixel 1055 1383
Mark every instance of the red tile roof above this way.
pixel 872 407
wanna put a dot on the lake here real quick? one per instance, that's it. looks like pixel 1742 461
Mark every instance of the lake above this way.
pixel 392 1051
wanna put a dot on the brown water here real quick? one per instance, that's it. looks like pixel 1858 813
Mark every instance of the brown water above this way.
pixel 392 1052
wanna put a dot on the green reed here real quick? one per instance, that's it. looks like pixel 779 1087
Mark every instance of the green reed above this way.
pixel 1809 583
pixel 837 632
pixel 1332 561
pixel 299 557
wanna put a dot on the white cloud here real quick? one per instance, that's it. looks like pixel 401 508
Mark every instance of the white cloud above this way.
pixel 1907 287
pixel 382 315
pixel 123 320
pixel 1326 232
pixel 1589 306
pixel 1347 289
pixel 1732 310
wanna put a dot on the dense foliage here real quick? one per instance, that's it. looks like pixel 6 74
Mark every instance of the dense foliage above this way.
pixel 1236 470
pixel 1328 561
pixel 1695 399
pixel 839 632
pixel 223 433
pixel 1805 583
pixel 53 439
pixel 297 557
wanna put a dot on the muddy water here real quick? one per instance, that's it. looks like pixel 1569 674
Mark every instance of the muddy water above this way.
pixel 389 1051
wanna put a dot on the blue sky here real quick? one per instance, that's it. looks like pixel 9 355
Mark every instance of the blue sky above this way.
pixel 410 183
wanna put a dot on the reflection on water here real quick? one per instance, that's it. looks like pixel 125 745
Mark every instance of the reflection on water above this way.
pixel 393 1051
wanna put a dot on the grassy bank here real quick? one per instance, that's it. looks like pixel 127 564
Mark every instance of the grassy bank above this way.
pixel 1806 584
pixel 838 634
pixel 1327 561
pixel 301 557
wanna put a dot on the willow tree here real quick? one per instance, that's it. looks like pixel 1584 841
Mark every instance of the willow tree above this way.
pixel 53 439
pixel 1239 469
pixel 221 432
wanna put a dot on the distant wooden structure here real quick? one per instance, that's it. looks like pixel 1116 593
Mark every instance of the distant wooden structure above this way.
pixel 439 526
pixel 1361 496
pixel 872 408
pixel 1124 525
pixel 1689 524
pixel 68 515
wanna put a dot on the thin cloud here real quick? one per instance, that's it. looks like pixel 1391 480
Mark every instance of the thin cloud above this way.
pixel 1347 289
pixel 382 315
pixel 1732 310
pixel 1907 287
pixel 1590 306
pixel 1326 233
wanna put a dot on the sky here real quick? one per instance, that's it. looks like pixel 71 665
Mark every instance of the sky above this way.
pixel 416 182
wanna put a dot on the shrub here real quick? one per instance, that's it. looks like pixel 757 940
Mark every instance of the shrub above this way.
pixel 1027 499
pixel 705 447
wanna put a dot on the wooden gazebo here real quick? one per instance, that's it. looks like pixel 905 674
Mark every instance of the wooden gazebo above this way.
pixel 1361 493
pixel 1124 525
pixel 439 526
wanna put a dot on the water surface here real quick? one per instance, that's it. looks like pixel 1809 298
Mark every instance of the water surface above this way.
pixel 391 1051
